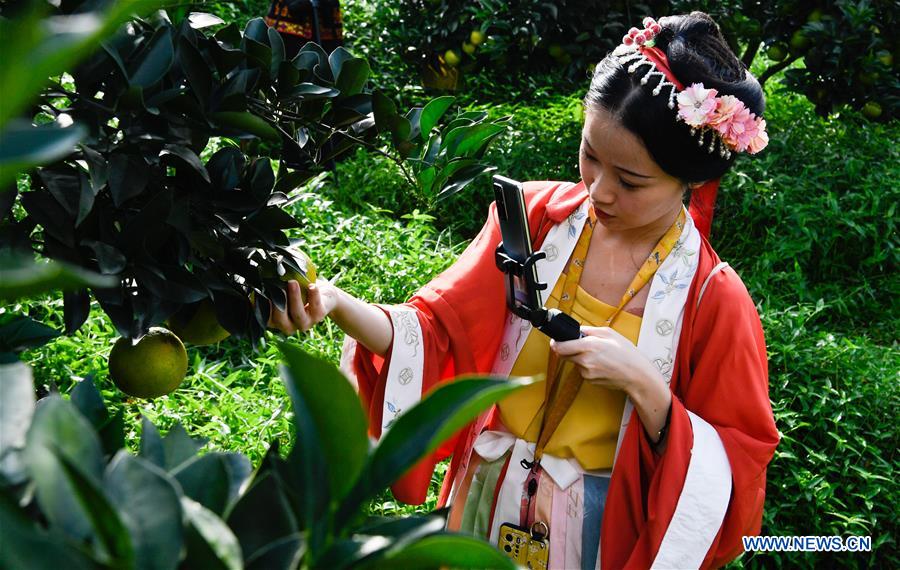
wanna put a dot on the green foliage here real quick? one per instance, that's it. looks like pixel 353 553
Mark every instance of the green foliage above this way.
pixel 849 58
pixel 170 506
pixel 541 143
pixel 814 216
pixel 29 64
pixel 835 397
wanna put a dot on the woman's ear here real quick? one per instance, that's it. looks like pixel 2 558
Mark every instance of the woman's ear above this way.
pixel 695 185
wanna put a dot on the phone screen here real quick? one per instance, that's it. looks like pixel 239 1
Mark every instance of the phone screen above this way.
pixel 520 289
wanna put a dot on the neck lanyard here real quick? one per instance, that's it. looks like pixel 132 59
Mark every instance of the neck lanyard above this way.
pixel 560 395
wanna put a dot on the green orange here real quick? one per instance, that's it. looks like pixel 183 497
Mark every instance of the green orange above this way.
pixel 197 324
pixel 151 366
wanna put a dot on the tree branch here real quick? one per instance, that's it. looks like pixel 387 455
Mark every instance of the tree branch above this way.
pixel 750 52
pixel 776 68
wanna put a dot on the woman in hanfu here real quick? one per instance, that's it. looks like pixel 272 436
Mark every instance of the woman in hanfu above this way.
pixel 647 444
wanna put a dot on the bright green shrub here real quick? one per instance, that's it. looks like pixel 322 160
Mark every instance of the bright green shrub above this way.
pixel 814 215
pixel 835 398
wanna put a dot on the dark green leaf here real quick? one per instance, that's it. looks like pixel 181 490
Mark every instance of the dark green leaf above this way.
pixel 336 60
pixel 110 260
pixel 336 411
pixel 210 543
pixel 46 212
pixel 85 200
pixel 62 182
pixel 321 69
pixel 277 45
pixel 462 178
pixel 432 149
pixel 225 168
pixel 262 515
pixel 418 431
pixel 448 550
pixel 18 332
pixel 465 140
pixel 24 277
pixel 415 116
pixel 76 308
pixel 155 60
pixel 284 553
pixel 385 111
pixel 152 444
pixel 288 76
pixel 433 112
pixel 258 53
pixel 425 179
pixel 205 479
pixel 150 507
pixel 98 168
pixel 111 534
pixel 179 447
pixel 128 176
pixel 376 540
pixel 87 399
pixel 257 30
pixel 16 410
pixel 195 69
pixel 289 181
pixel 23 146
pixel 311 91
pixel 246 123
pixel 306 469
pixel 25 545
pixel 186 157
pixel 58 428
pixel 353 74
pixel 112 433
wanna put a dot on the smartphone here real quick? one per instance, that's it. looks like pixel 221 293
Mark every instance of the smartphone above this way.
pixel 516 238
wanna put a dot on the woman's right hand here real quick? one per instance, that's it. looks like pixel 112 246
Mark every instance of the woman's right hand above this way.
pixel 322 299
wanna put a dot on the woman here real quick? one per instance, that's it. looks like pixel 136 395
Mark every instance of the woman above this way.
pixel 681 351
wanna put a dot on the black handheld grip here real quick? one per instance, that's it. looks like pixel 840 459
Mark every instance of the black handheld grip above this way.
pixel 560 326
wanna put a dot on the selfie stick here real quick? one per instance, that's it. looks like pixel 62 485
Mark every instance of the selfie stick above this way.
pixel 552 322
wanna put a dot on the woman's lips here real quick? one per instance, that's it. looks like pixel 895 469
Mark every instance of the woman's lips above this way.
pixel 601 214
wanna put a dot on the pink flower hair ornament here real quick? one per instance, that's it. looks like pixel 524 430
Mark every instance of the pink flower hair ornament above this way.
pixel 725 121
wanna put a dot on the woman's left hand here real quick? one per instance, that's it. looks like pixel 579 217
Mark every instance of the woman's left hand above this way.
pixel 606 358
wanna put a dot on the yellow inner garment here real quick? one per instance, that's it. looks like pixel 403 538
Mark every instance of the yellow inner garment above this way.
pixel 590 428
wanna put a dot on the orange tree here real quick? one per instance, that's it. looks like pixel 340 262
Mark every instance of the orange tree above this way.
pixel 135 200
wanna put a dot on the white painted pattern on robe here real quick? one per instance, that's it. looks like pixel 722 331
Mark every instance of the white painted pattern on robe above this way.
pixel 403 385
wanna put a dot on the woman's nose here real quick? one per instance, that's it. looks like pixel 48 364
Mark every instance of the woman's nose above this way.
pixel 601 190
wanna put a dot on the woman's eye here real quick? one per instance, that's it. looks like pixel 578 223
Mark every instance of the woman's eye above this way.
pixel 626 184
pixel 587 156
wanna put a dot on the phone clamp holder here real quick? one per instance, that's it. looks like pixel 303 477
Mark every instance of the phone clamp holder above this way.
pixel 552 322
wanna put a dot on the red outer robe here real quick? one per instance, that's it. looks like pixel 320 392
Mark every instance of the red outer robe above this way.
pixel 720 375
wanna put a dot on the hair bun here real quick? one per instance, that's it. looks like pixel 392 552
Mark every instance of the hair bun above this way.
pixel 698 53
